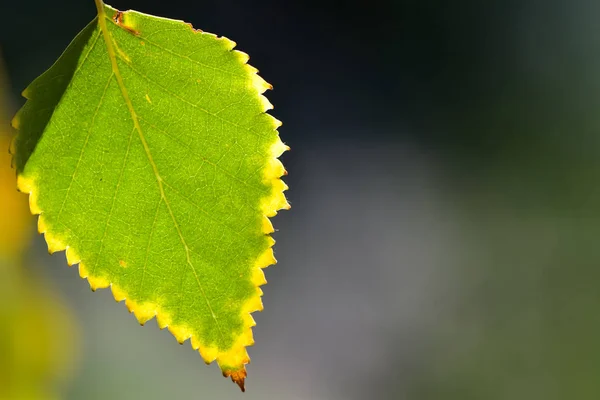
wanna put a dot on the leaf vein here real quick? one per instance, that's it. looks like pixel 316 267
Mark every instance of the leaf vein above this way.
pixel 85 143
pixel 175 95
pixel 112 206
pixel 191 202
pixel 148 245
pixel 216 165
pixel 145 40
pixel 113 59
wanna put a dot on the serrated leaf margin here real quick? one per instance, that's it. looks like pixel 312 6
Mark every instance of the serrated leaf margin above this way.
pixel 233 361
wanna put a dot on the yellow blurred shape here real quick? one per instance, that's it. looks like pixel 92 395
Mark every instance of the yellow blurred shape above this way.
pixel 15 219
pixel 38 337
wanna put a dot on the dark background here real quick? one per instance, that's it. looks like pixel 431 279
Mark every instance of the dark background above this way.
pixel 444 178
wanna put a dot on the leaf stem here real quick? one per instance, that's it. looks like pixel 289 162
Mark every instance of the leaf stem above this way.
pixel 110 48
pixel 100 8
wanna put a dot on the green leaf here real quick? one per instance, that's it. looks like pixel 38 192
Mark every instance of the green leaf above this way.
pixel 148 154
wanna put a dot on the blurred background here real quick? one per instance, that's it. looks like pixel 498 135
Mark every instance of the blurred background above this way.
pixel 443 240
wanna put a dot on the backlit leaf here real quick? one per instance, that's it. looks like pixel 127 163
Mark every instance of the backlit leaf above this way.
pixel 148 154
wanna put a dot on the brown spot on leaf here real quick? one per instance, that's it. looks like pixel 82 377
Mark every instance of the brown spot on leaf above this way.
pixel 118 19
pixel 122 263
pixel 193 29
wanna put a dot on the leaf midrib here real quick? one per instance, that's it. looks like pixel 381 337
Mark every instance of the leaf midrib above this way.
pixel 113 60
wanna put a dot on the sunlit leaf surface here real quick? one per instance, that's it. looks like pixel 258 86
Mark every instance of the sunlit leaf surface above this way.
pixel 148 154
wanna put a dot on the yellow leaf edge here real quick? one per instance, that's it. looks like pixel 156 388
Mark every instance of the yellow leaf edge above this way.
pixel 233 361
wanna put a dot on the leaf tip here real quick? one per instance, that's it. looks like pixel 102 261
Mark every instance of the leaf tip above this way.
pixel 238 377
